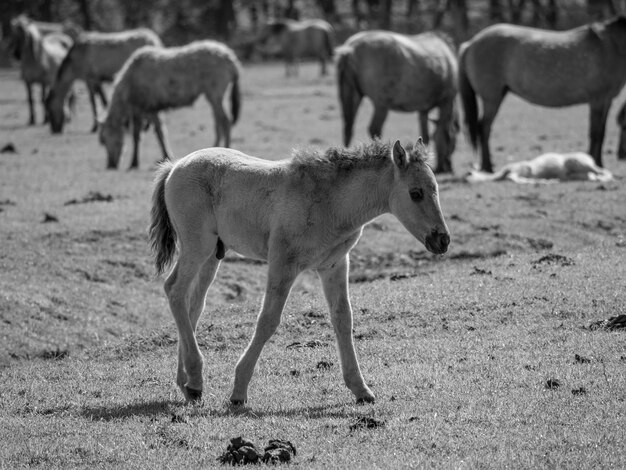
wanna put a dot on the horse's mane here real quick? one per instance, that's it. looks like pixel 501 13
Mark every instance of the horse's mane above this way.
pixel 336 161
pixel 65 63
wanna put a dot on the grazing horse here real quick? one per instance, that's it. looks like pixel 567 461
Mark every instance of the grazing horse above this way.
pixel 40 57
pixel 548 68
pixel 547 168
pixel 155 79
pixel 298 39
pixel 95 58
pixel 301 213
pixel 401 73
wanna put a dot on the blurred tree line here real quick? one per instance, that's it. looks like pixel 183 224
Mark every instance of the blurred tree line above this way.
pixel 180 21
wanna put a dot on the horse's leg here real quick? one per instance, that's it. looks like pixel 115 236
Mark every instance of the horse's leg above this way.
pixel 335 284
pixel 599 111
pixel 280 278
pixel 445 137
pixel 31 108
pixel 378 119
pixel 222 121
pixel 490 110
pixel 161 133
pixel 423 117
pixel 91 88
pixel 44 93
pixel 136 123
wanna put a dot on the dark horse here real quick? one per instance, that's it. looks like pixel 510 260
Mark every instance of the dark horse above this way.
pixel 401 73
pixel 582 65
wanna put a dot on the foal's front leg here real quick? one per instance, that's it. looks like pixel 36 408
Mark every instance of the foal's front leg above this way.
pixel 335 284
pixel 279 281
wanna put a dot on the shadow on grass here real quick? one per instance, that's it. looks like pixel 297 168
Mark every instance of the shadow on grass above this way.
pixel 150 408
pixel 161 408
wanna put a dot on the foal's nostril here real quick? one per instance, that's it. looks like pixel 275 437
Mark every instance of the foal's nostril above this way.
pixel 444 240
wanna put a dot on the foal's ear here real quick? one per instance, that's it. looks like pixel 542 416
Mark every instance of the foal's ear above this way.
pixel 399 155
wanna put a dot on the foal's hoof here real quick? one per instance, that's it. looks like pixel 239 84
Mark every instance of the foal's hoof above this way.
pixel 236 402
pixel 193 395
pixel 369 398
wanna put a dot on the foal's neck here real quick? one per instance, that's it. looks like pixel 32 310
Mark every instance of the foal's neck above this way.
pixel 363 197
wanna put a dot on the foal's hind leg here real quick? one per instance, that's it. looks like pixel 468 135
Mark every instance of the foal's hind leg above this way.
pixel 281 275
pixel 335 284
pixel 205 277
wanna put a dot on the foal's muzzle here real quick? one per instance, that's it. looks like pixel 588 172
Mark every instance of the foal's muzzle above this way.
pixel 437 242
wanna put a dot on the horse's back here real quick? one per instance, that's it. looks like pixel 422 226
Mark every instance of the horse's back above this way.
pixel 542 66
pixel 102 55
pixel 405 73
pixel 177 76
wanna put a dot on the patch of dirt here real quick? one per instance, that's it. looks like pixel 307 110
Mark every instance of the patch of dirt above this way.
pixel 366 422
pixel 553 259
pixel 92 196
pixel 8 148
pixel 613 323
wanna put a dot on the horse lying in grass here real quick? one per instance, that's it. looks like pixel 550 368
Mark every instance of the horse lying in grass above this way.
pixel 95 58
pixel 548 68
pixel 401 73
pixel 298 39
pixel 547 168
pixel 40 57
pixel 156 79
pixel 302 213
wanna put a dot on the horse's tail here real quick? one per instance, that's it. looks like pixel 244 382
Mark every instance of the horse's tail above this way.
pixel 161 232
pixel 468 98
pixel 235 98
pixel 349 89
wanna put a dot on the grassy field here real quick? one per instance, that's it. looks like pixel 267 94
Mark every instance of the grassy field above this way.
pixel 481 358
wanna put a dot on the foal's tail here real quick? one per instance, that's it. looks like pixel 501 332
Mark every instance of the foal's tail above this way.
pixel 235 99
pixel 161 232
pixel 468 98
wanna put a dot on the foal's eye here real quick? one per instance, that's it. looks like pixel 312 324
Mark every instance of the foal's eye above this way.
pixel 416 194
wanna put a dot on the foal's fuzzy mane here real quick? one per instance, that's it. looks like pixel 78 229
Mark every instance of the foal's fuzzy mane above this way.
pixel 373 155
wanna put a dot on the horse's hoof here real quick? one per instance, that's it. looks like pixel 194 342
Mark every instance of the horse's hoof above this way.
pixel 192 394
pixel 237 402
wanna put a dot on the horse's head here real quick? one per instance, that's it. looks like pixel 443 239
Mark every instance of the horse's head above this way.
pixel 112 137
pixel 621 122
pixel 18 35
pixel 414 197
pixel 55 111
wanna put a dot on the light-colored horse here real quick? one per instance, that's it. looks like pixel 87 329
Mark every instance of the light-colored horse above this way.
pixel 298 39
pixel 40 57
pixel 401 73
pixel 156 79
pixel 95 58
pixel 547 168
pixel 302 213
pixel 548 68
